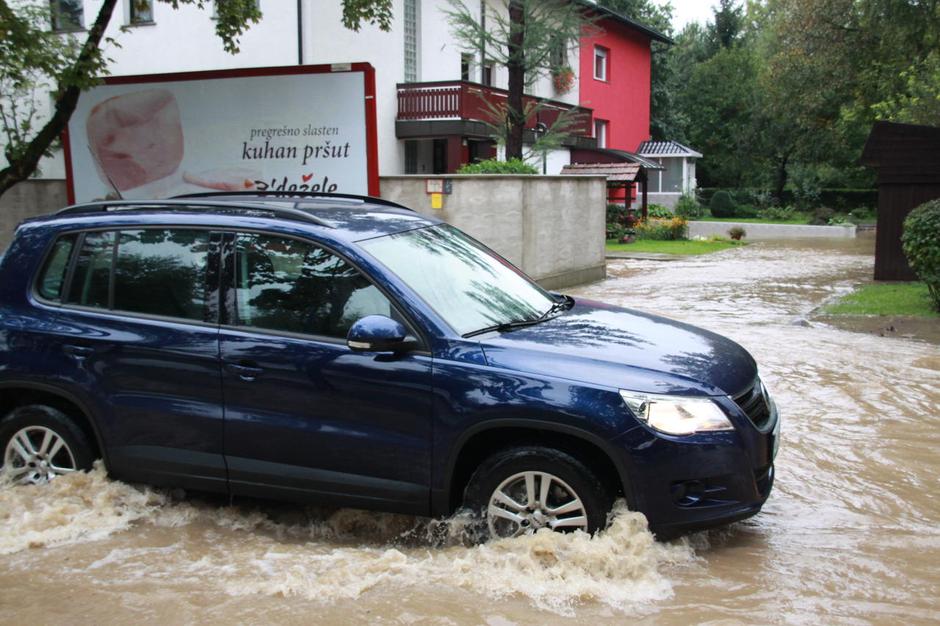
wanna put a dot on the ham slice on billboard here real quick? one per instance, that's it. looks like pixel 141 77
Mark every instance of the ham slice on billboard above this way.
pixel 136 138
pixel 224 178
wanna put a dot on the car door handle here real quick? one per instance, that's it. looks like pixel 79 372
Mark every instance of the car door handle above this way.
pixel 246 371
pixel 79 353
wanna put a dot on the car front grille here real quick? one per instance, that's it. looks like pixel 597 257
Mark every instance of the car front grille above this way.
pixel 753 402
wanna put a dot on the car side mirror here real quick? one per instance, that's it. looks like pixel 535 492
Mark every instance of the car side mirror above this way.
pixel 378 333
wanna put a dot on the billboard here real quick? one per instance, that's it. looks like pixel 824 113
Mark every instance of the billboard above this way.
pixel 303 128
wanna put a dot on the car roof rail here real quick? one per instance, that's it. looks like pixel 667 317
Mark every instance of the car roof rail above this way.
pixel 313 195
pixel 172 204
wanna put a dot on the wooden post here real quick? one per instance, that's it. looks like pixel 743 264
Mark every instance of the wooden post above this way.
pixel 642 179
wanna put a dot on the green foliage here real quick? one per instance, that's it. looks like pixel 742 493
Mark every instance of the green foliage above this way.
pixel 377 12
pixel 737 233
pixel 662 229
pixel 659 211
pixel 722 205
pixel 492 166
pixel 921 244
pixel 688 207
pixel 822 216
pixel 778 214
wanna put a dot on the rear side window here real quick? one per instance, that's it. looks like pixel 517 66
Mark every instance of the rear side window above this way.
pixel 52 278
pixel 150 271
pixel 162 272
pixel 92 278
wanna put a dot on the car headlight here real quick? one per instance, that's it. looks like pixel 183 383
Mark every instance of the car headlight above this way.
pixel 677 415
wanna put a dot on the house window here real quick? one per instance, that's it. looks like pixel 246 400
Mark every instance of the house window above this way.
pixel 67 15
pixel 466 62
pixel 140 12
pixel 411 40
pixel 600 63
pixel 558 55
pixel 487 77
pixel 600 132
pixel 411 156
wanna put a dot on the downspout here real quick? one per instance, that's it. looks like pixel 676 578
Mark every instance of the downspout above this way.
pixel 300 32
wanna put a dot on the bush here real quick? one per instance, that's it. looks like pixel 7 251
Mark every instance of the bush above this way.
pixel 662 229
pixel 722 204
pixel 746 210
pixel 688 207
pixel 778 213
pixel 658 211
pixel 492 166
pixel 862 215
pixel 737 233
pixel 822 216
pixel 921 244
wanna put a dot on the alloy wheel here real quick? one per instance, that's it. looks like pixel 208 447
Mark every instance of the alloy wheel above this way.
pixel 528 501
pixel 36 454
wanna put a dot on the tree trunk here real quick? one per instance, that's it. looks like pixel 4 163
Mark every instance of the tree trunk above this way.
pixel 780 179
pixel 22 168
pixel 515 115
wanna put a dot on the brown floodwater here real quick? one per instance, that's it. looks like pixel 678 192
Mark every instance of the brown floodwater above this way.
pixel 850 535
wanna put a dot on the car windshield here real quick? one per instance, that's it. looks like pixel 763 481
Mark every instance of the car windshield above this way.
pixel 465 283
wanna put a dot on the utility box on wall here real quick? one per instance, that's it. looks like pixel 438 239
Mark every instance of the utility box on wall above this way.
pixel 907 159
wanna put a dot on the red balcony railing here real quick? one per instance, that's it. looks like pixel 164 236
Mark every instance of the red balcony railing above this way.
pixel 471 101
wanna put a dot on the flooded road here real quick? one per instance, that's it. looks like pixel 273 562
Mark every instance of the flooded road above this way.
pixel 850 535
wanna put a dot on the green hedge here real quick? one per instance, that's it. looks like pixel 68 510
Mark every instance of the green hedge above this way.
pixel 837 198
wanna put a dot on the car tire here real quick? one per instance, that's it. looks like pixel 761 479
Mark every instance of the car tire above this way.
pixel 39 442
pixel 499 493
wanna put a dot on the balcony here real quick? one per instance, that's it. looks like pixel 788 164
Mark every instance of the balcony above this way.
pixel 463 108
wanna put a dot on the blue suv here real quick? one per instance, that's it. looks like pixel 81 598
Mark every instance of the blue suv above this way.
pixel 347 350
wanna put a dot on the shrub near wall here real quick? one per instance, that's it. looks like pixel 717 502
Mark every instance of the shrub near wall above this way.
pixel 843 199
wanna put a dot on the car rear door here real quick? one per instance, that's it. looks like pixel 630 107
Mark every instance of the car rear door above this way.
pixel 138 333
pixel 306 418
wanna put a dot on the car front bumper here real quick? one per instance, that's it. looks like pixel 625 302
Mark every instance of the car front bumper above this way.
pixel 684 484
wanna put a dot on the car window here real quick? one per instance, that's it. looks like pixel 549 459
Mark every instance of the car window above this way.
pixel 91 281
pixel 293 286
pixel 459 278
pixel 162 272
pixel 57 264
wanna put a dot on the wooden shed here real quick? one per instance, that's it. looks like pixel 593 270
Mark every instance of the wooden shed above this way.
pixel 907 160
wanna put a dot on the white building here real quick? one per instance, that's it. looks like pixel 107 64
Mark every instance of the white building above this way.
pixel 419 48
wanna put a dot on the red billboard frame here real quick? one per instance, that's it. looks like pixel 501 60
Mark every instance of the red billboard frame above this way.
pixel 368 77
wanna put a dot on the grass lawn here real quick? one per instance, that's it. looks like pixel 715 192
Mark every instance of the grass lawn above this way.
pixel 885 299
pixel 797 219
pixel 673 247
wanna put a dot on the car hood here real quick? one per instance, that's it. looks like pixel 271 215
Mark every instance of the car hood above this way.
pixel 600 344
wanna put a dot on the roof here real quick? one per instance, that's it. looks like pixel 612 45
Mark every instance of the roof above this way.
pixel 667 149
pixel 608 155
pixel 903 153
pixel 349 218
pixel 615 172
pixel 626 21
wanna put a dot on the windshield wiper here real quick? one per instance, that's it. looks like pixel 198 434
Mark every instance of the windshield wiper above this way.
pixel 564 304
pixel 561 305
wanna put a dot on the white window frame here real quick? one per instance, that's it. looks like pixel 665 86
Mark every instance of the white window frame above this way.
pixel 600 52
pixel 601 137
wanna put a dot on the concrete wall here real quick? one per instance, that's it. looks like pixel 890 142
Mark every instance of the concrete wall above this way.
pixel 550 226
pixel 771 231
pixel 28 199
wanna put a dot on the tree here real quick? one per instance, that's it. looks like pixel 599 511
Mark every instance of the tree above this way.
pixel 34 59
pixel 522 36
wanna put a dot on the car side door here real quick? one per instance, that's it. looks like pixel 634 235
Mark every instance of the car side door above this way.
pixel 137 332
pixel 307 418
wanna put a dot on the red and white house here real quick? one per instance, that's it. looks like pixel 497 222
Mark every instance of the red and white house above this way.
pixel 431 92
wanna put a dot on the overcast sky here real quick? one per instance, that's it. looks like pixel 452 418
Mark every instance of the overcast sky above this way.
pixel 685 11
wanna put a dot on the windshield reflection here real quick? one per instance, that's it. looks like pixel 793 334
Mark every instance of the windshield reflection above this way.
pixel 465 283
